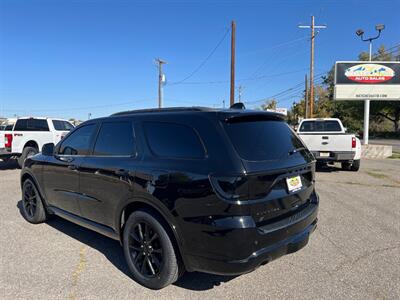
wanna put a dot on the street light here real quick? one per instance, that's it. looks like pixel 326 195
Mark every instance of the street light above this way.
pixel 380 27
pixel 360 33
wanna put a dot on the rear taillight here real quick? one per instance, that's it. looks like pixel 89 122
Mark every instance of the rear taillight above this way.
pixel 231 188
pixel 8 140
pixel 353 142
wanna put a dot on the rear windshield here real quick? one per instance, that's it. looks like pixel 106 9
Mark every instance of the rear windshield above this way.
pixel 31 125
pixel 262 140
pixel 62 125
pixel 315 126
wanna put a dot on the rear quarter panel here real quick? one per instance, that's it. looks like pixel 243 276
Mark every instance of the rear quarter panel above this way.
pixel 20 139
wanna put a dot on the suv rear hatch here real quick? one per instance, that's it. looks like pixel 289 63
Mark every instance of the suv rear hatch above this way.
pixel 279 170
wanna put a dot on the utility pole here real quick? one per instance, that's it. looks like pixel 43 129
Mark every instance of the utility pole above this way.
pixel 161 81
pixel 233 32
pixel 312 27
pixel 306 96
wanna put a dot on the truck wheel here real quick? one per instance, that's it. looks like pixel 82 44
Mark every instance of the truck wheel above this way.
pixel 355 166
pixel 346 165
pixel 149 251
pixel 27 152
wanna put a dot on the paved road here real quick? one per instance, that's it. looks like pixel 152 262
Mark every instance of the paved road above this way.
pixel 354 253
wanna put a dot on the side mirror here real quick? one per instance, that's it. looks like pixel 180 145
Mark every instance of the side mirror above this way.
pixel 345 129
pixel 48 149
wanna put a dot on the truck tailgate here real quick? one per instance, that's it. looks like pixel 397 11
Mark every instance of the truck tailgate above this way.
pixel 328 142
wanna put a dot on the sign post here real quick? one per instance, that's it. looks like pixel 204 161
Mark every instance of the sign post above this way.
pixel 357 80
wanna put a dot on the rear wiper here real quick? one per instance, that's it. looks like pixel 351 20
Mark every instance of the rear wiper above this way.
pixel 297 150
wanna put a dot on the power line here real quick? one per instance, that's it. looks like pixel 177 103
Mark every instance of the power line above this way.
pixel 204 61
pixel 274 47
pixel 271 58
pixel 393 47
pixel 244 79
pixel 295 88
pixel 250 78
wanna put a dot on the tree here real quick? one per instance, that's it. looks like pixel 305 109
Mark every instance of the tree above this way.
pixel 269 104
pixel 296 112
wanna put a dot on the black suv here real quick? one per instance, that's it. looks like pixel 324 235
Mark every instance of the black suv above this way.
pixel 196 189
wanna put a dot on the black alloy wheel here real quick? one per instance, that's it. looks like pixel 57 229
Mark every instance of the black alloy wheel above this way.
pixel 149 250
pixel 32 206
pixel 146 250
pixel 30 199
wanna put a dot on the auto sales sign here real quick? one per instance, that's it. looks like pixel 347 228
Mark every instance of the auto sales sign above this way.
pixel 356 80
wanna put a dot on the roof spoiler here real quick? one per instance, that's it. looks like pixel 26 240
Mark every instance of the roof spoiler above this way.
pixel 238 105
pixel 253 116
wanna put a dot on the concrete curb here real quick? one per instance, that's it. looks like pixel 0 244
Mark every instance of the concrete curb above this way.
pixel 376 151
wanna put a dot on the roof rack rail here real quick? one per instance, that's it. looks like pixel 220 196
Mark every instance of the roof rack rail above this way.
pixel 159 110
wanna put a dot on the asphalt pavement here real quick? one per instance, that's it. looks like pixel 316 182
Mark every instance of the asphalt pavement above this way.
pixel 353 254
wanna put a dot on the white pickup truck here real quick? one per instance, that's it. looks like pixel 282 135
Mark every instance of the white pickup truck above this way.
pixel 328 141
pixel 28 135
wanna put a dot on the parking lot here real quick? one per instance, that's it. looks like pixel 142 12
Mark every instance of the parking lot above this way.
pixel 354 253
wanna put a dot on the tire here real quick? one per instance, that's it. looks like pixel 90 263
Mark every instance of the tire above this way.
pixel 27 152
pixel 32 204
pixel 346 166
pixel 355 166
pixel 149 251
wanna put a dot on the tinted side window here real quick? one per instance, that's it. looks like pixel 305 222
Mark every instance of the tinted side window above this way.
pixel 78 143
pixel 32 125
pixel 21 125
pixel 62 125
pixel 115 138
pixel 173 140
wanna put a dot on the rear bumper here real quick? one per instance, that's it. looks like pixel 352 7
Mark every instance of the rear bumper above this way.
pixel 334 155
pixel 4 153
pixel 262 244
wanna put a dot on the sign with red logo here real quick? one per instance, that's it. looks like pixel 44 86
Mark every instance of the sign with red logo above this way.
pixel 378 80
pixel 369 73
